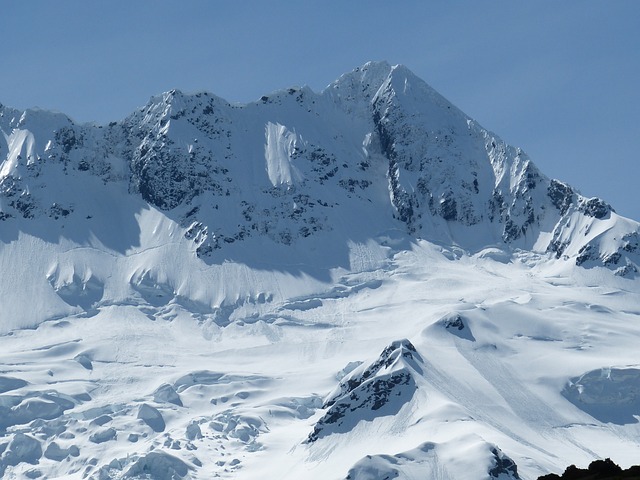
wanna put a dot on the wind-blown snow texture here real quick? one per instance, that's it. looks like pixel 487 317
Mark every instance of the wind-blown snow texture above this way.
pixel 204 290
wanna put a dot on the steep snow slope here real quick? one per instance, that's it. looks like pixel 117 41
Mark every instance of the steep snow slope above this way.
pixel 353 284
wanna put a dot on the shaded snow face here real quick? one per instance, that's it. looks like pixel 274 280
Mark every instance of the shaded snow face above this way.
pixel 610 395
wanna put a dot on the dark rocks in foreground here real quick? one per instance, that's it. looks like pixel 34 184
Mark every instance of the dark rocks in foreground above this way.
pixel 597 470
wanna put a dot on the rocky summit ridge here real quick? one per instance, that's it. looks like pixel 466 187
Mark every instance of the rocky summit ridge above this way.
pixel 378 143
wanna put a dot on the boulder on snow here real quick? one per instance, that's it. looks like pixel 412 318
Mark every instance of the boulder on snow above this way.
pixel 167 394
pixel 152 417
pixel 57 453
pixel 21 448
pixel 103 435
pixel 193 431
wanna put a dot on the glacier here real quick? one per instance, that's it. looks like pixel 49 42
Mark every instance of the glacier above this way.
pixel 359 283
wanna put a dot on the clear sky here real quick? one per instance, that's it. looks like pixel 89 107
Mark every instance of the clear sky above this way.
pixel 559 78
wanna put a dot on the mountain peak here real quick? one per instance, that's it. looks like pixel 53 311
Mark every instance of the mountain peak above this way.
pixel 366 280
pixel 377 150
pixel 361 84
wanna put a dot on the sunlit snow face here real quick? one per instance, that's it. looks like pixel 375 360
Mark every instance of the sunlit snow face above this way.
pixel 279 151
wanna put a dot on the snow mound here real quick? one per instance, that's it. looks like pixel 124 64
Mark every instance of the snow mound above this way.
pixel 104 435
pixel 454 324
pixel 429 460
pixel 159 466
pixel 84 293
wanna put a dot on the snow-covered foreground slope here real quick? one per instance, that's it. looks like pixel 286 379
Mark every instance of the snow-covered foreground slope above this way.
pixel 361 283
pixel 485 367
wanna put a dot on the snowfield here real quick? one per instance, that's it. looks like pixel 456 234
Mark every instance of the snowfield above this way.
pixel 359 284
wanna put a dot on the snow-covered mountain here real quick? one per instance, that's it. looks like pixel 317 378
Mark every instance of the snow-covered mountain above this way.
pixel 205 289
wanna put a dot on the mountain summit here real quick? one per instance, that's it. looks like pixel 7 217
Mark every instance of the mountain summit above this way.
pixel 378 149
pixel 284 226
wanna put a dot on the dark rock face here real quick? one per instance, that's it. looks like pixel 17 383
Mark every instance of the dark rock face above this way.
pixel 558 247
pixel 561 195
pixel 585 254
pixel 167 176
pixel 448 208
pixel 519 215
pixel 363 404
pixel 380 389
pixel 503 465
pixel 163 170
pixel 403 202
pixel 429 175
pixel 631 242
pixel 595 207
pixel 454 323
pixel 620 261
pixel 397 349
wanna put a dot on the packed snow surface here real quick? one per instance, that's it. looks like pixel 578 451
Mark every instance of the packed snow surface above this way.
pixel 163 386
pixel 357 284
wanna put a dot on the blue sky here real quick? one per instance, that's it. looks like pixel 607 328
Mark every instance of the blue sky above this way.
pixel 557 78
